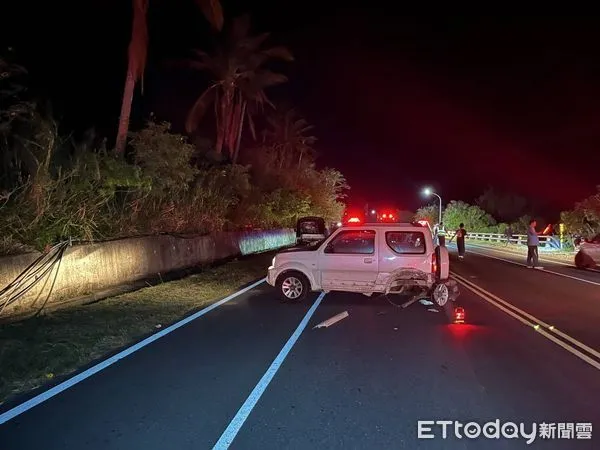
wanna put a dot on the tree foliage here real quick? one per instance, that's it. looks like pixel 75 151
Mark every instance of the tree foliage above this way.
pixel 240 76
pixel 15 115
pixel 94 195
pixel 474 218
pixel 61 188
pixel 584 218
pixel 430 213
pixel 138 54
pixel 287 134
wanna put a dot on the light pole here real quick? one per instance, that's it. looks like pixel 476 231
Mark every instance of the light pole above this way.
pixel 428 192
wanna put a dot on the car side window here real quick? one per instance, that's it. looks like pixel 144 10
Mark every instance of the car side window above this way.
pixel 352 242
pixel 406 242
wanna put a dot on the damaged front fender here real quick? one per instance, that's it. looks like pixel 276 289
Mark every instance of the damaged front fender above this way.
pixel 402 280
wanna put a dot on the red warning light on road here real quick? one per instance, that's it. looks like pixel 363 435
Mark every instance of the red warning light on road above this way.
pixel 459 315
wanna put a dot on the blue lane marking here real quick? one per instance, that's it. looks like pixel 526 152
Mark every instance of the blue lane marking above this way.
pixel 238 421
pixel 46 395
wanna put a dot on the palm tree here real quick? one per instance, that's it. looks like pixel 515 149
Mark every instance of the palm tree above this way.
pixel 287 133
pixel 138 52
pixel 14 114
pixel 240 78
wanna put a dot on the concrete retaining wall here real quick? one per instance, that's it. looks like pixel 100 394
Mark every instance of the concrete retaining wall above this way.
pixel 90 268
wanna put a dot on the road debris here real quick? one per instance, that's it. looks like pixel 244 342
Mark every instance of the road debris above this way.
pixel 332 320
pixel 410 302
pixel 425 302
pixel 432 310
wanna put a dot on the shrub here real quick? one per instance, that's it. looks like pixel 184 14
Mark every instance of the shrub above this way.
pixel 429 213
pixel 474 218
pixel 92 194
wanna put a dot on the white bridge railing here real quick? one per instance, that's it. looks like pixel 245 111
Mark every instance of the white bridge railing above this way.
pixel 547 242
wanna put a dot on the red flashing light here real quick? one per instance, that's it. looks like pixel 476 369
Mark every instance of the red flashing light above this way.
pixel 459 315
pixel 385 216
pixel 354 220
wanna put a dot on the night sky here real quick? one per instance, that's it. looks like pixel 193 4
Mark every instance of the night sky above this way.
pixel 398 102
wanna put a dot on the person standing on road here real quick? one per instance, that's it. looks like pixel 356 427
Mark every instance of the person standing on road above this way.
pixel 441 234
pixel 533 241
pixel 509 234
pixel 461 234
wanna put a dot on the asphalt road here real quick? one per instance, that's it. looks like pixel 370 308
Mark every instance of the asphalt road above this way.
pixel 362 383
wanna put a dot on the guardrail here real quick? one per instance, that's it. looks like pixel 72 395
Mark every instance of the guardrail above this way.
pixel 546 242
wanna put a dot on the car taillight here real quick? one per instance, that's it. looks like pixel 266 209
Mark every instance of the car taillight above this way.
pixel 459 315
pixel 433 263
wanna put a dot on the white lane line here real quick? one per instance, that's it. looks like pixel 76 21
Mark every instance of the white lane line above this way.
pixel 46 395
pixel 583 280
pixel 535 322
pixel 529 316
pixel 237 422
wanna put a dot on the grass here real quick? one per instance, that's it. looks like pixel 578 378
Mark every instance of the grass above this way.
pixel 38 350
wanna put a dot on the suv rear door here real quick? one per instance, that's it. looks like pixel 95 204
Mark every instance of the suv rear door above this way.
pixel 349 261
pixel 405 248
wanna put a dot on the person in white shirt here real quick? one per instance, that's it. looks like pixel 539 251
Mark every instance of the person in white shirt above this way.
pixel 533 241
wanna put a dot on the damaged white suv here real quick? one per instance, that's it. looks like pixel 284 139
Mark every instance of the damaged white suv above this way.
pixel 388 258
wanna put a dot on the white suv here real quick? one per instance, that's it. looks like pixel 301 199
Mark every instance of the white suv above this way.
pixel 371 258
pixel 588 255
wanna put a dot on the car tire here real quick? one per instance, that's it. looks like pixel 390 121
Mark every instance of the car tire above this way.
pixel 292 287
pixel 583 261
pixel 441 294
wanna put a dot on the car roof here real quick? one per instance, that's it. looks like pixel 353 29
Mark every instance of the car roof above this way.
pixel 403 226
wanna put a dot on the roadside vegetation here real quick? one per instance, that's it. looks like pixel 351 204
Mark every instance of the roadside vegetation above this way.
pixel 584 218
pixel 255 168
pixel 494 212
pixel 48 347
pixel 244 163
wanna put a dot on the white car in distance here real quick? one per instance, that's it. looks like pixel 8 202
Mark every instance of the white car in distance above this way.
pixel 388 258
pixel 588 254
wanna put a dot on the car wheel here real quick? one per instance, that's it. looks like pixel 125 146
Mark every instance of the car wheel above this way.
pixel 583 261
pixel 293 287
pixel 441 294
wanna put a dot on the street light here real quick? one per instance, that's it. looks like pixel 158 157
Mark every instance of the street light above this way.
pixel 428 192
